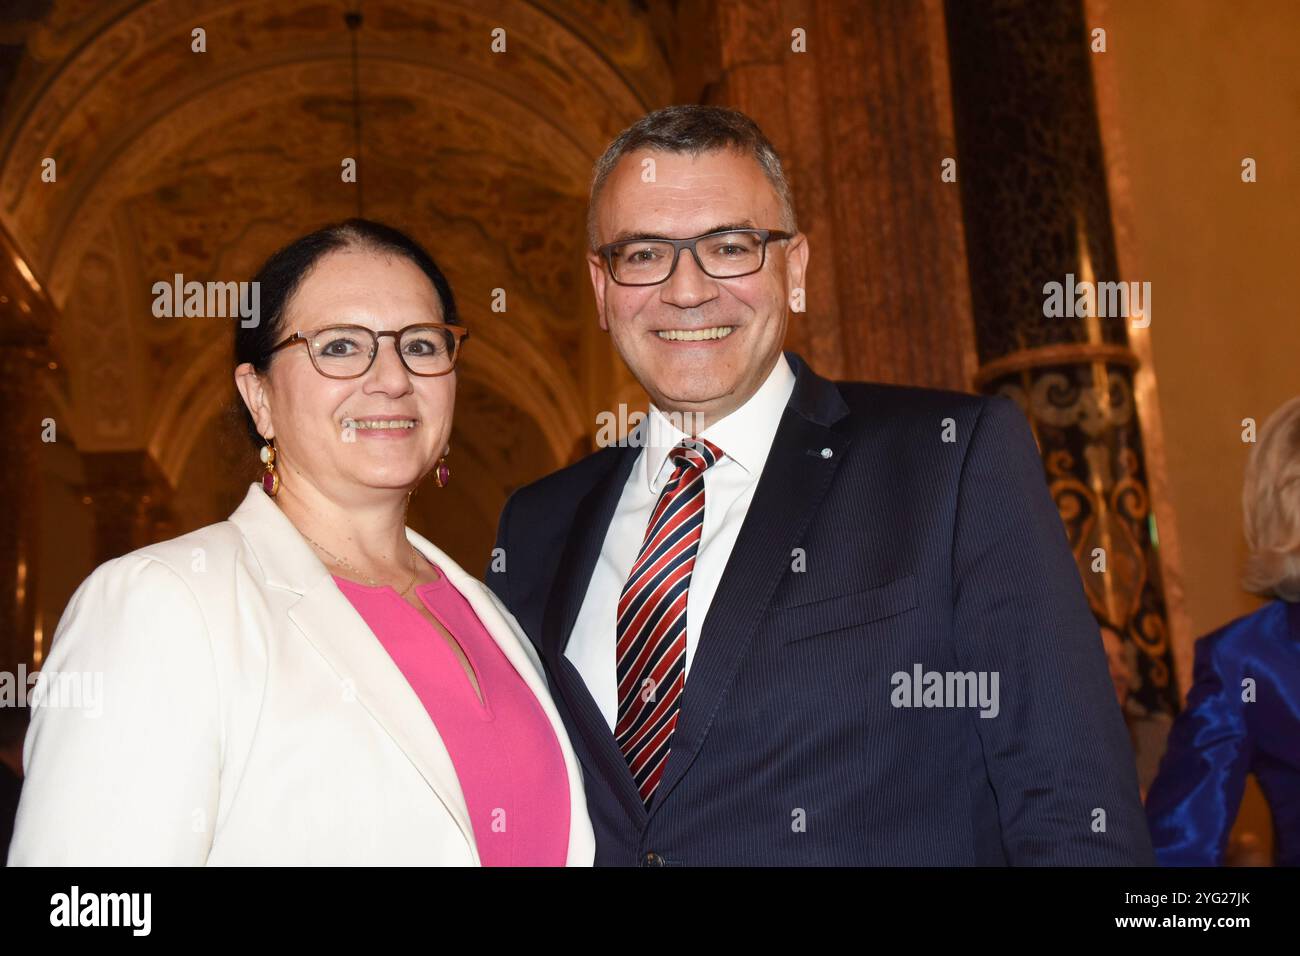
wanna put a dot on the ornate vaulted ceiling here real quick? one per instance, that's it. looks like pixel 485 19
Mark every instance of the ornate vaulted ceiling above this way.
pixel 173 161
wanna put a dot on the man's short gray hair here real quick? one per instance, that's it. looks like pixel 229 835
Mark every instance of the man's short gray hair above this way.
pixel 694 130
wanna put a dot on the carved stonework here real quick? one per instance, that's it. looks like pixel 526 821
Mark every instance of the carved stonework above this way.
pixel 1037 212
pixel 1084 419
pixel 172 161
pixel 26 363
pixel 130 501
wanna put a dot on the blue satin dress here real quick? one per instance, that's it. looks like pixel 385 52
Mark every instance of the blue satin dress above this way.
pixel 1219 738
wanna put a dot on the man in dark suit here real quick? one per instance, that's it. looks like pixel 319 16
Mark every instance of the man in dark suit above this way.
pixel 791 621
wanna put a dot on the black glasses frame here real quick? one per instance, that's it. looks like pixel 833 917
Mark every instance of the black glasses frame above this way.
pixel 606 252
pixel 459 334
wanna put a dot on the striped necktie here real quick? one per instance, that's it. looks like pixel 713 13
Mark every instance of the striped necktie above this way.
pixel 651 631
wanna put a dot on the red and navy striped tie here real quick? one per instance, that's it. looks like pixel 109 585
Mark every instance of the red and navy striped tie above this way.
pixel 652 618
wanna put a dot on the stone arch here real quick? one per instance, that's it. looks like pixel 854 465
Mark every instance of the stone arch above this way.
pixel 171 161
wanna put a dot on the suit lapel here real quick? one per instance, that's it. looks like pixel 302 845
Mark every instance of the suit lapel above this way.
pixel 795 478
pixel 581 551
pixel 793 483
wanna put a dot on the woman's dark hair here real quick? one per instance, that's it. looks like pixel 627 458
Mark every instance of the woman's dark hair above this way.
pixel 282 274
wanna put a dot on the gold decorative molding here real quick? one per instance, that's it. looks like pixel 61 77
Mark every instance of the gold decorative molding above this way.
pixel 1064 354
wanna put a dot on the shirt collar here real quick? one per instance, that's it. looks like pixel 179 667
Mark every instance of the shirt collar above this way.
pixel 745 436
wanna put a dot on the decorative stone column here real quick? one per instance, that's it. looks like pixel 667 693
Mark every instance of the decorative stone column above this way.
pixel 1036 210
pixel 130 499
pixel 854 95
pixel 26 318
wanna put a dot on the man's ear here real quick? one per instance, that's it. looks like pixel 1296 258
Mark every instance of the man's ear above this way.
pixel 599 278
pixel 796 265
pixel 254 392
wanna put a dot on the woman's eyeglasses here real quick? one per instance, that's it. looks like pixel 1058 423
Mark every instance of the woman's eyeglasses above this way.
pixel 348 351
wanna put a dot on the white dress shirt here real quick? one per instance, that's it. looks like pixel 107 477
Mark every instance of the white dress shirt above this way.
pixel 745 437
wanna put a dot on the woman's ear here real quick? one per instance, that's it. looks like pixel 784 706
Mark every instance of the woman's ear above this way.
pixel 255 392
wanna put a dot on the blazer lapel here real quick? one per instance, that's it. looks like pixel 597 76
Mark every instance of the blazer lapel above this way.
pixel 327 619
pixel 509 636
pixel 577 563
pixel 795 478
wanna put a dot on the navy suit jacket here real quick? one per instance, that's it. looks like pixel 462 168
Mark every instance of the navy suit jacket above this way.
pixel 872 547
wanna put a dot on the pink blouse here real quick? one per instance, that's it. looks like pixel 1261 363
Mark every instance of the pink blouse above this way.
pixel 509 763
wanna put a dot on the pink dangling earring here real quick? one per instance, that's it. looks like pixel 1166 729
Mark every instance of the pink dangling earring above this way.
pixel 441 473
pixel 270 480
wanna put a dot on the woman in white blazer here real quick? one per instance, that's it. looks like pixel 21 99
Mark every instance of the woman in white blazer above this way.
pixel 284 687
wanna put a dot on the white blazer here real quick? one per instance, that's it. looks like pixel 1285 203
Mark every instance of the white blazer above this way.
pixel 248 715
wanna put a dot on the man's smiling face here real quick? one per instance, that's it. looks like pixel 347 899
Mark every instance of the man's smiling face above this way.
pixel 744 318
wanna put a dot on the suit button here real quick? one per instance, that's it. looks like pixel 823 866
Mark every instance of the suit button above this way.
pixel 653 859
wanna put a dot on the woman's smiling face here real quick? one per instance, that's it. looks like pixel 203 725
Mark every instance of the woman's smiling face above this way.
pixel 325 429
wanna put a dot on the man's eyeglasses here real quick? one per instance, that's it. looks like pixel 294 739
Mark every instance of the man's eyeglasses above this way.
pixel 348 351
pixel 721 255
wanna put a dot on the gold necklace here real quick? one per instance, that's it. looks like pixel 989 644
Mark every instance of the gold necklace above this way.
pixel 352 567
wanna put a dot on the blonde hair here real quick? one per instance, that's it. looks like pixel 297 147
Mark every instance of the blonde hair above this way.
pixel 1270 504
